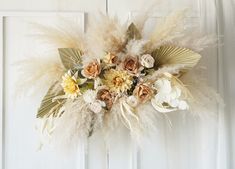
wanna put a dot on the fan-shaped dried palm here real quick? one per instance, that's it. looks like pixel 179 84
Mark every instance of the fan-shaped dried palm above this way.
pixel 172 55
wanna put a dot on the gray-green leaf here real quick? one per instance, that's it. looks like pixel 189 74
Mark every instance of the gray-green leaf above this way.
pixel 48 106
pixel 70 57
pixel 133 32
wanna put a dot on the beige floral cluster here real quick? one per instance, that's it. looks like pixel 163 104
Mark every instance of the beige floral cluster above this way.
pixel 117 76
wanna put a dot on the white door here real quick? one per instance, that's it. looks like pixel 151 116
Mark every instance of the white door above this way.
pixel 190 143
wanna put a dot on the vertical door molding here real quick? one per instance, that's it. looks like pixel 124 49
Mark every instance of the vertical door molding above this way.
pixel 1 94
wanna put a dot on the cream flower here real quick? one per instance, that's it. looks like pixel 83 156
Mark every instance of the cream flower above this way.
pixel 94 105
pixel 117 81
pixel 147 61
pixel 167 98
pixel 89 96
pixel 70 85
pixel 132 101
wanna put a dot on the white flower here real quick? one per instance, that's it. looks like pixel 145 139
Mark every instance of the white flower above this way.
pixel 162 85
pixel 167 98
pixel 89 96
pixel 132 101
pixel 183 105
pixel 96 107
pixel 93 104
pixel 97 83
pixel 147 61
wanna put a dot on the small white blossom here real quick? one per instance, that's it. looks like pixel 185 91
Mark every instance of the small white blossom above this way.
pixel 93 104
pixel 183 105
pixel 96 107
pixel 97 83
pixel 147 61
pixel 89 96
pixel 132 101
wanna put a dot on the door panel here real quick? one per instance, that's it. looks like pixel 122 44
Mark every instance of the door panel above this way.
pixel 190 143
pixel 20 137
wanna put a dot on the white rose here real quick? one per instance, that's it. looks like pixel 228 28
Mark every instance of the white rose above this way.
pixel 147 61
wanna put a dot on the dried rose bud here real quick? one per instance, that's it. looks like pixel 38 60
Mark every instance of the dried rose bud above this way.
pixel 105 96
pixel 131 64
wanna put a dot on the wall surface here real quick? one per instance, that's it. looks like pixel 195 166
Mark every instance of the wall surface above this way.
pixel 190 144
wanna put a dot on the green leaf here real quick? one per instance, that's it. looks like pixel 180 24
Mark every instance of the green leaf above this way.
pixel 86 86
pixel 70 57
pixel 173 55
pixel 133 32
pixel 48 106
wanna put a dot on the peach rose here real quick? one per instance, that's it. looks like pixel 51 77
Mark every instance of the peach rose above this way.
pixel 92 70
pixel 131 64
pixel 143 92
pixel 105 96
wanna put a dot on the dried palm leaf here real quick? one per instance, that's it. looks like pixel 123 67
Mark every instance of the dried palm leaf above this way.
pixel 49 106
pixel 172 55
pixel 70 57
pixel 133 32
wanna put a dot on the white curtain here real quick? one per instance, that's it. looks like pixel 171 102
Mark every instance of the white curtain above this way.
pixel 226 25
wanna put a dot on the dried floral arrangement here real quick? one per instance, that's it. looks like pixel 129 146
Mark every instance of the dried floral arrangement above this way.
pixel 119 74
